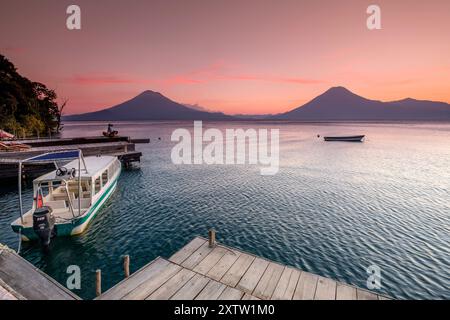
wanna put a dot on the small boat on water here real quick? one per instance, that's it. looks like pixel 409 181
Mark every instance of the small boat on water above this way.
pixel 110 133
pixel 345 138
pixel 66 200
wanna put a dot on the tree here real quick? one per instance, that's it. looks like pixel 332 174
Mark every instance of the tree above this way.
pixel 59 115
pixel 25 106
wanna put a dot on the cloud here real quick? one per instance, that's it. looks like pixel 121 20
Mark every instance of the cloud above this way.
pixel 221 71
pixel 272 79
pixel 299 80
pixel 180 79
pixel 13 50
pixel 105 80
pixel 89 79
pixel 218 71
pixel 202 75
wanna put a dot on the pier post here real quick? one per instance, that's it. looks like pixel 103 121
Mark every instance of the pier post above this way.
pixel 98 282
pixel 212 238
pixel 126 265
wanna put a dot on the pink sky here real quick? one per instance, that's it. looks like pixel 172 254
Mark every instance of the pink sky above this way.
pixel 235 56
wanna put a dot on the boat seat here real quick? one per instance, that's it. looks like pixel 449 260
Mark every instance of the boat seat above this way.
pixel 73 190
pixel 63 196
pixel 73 187
pixel 86 194
pixel 85 203
pixel 59 196
pixel 58 204
pixel 86 186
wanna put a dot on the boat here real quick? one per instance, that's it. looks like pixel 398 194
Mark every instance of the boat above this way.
pixel 5 135
pixel 67 199
pixel 345 138
pixel 110 133
pixel 13 147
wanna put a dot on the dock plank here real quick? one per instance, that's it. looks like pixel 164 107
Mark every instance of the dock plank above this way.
pixel 6 294
pixel 237 270
pixel 290 290
pixel 269 280
pixel 249 297
pixel 185 252
pixel 223 265
pixel 195 258
pixel 192 288
pixel 10 291
pixel 169 288
pixel 251 278
pixel 345 292
pixel 152 283
pixel 211 291
pixel 231 294
pixel 210 260
pixel 28 281
pixel 326 289
pixel 365 295
pixel 282 285
pixel 306 286
pixel 144 274
pixel 286 286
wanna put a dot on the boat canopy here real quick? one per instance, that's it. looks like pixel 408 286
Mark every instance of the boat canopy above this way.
pixel 55 156
pixel 95 166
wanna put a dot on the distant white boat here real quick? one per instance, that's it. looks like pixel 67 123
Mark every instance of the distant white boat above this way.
pixel 67 199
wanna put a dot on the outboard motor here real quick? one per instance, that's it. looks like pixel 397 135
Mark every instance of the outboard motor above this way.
pixel 44 225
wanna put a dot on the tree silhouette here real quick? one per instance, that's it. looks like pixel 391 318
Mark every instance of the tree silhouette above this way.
pixel 26 107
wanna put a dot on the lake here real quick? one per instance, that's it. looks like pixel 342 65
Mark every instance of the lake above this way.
pixel 333 208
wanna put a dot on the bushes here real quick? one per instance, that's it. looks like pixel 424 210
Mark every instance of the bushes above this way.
pixel 26 107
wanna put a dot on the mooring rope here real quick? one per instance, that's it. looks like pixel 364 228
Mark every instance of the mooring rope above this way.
pixel 20 241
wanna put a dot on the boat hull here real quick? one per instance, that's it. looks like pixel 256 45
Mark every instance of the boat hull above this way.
pixel 345 138
pixel 75 226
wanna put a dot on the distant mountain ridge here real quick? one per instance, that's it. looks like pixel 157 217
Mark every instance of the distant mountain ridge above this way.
pixel 338 103
pixel 149 105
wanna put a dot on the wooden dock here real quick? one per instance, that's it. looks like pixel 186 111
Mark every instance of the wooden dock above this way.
pixel 20 280
pixel 49 142
pixel 122 147
pixel 200 271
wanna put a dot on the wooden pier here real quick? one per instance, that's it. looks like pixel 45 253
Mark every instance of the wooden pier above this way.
pixel 201 270
pixel 122 147
pixel 204 270
pixel 20 280
pixel 50 142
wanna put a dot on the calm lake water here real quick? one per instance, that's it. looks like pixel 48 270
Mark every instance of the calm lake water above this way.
pixel 333 208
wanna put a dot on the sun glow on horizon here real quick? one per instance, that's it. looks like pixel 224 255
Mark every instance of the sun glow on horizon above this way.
pixel 264 58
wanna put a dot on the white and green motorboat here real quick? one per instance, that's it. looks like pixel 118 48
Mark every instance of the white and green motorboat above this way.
pixel 66 200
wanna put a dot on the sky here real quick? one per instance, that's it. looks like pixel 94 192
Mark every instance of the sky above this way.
pixel 234 56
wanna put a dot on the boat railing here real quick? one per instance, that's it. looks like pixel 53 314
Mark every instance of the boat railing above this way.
pixel 69 198
pixel 53 157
